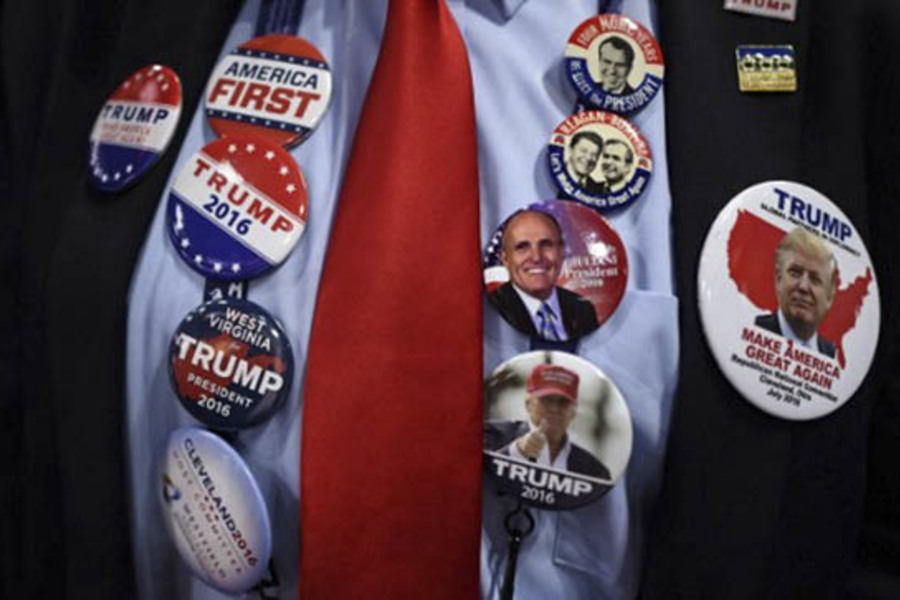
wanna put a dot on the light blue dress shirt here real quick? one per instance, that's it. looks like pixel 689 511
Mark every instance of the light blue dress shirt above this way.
pixel 515 49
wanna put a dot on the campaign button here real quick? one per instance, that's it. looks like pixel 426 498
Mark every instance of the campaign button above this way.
pixel 614 63
pixel 134 127
pixel 557 432
pixel 275 86
pixel 766 68
pixel 789 301
pixel 214 510
pixel 231 364
pixel 556 270
pixel 600 159
pixel 237 208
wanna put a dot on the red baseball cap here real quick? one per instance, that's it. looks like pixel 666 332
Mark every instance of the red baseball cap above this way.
pixel 553 380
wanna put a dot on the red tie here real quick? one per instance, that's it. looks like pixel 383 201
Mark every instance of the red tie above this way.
pixel 391 454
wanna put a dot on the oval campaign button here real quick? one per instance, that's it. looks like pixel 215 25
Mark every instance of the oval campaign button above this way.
pixel 214 510
pixel 231 364
pixel 614 63
pixel 134 127
pixel 276 87
pixel 788 300
pixel 551 287
pixel 600 159
pixel 557 433
pixel 237 208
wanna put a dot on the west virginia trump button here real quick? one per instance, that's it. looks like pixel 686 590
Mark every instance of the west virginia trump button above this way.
pixel 788 300
pixel 231 364
pixel 614 63
pixel 237 208
pixel 600 159
pixel 274 86
pixel 134 127
pixel 214 510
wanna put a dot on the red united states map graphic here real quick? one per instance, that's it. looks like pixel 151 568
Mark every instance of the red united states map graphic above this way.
pixel 751 259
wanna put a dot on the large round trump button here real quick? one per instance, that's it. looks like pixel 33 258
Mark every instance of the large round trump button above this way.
pixel 614 63
pixel 231 364
pixel 275 86
pixel 237 208
pixel 788 300
pixel 557 433
pixel 556 270
pixel 134 127
pixel 600 159
pixel 214 511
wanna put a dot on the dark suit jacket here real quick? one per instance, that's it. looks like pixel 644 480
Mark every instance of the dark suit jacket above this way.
pixel 594 187
pixel 578 315
pixel 770 323
pixel 751 506
pixel 498 435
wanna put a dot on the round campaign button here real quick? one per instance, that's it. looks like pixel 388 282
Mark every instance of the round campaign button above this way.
pixel 237 208
pixel 600 159
pixel 551 287
pixel 275 86
pixel 614 63
pixel 557 433
pixel 789 300
pixel 231 364
pixel 214 511
pixel 134 127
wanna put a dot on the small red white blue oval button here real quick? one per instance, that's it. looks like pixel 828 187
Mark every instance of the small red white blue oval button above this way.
pixel 214 510
pixel 274 86
pixel 600 159
pixel 614 63
pixel 231 364
pixel 237 208
pixel 134 127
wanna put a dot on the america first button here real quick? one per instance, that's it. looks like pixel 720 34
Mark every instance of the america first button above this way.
pixel 134 127
pixel 237 208
pixel 274 86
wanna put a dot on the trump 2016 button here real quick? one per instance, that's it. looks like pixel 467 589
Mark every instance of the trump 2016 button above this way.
pixel 789 301
pixel 557 432
pixel 274 86
pixel 237 208
pixel 600 159
pixel 231 364
pixel 614 63
pixel 214 510
pixel 134 127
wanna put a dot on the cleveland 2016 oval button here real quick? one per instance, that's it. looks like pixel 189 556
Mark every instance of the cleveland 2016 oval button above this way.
pixel 214 510
pixel 275 86
pixel 237 208
pixel 134 127
pixel 231 364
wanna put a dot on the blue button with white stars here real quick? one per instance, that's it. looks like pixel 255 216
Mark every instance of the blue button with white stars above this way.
pixel 134 127
pixel 237 208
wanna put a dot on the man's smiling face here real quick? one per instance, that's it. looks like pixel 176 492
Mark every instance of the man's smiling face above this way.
pixel 533 253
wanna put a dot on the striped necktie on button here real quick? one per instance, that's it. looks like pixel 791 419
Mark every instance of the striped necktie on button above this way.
pixel 392 424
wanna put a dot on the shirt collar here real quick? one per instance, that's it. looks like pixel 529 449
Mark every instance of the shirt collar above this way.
pixel 786 330
pixel 534 305
pixel 509 7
